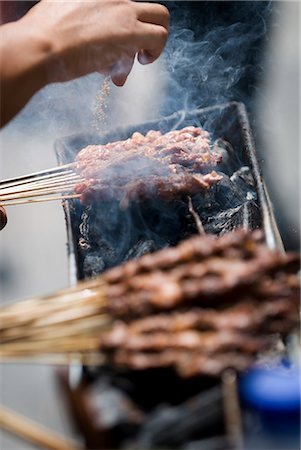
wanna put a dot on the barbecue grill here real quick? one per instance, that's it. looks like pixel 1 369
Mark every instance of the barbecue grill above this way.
pixel 228 121
pixel 220 427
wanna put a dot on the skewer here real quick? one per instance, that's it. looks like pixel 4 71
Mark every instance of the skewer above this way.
pixel 232 409
pixel 52 189
pixel 62 359
pixel 196 217
pixel 37 200
pixel 16 180
pixel 68 322
pixel 48 346
pixel 40 191
pixel 51 181
pixel 52 184
pixel 33 432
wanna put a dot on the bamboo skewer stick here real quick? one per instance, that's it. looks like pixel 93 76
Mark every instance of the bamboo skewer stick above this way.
pixel 196 217
pixel 93 323
pixel 52 346
pixel 59 359
pixel 33 432
pixel 39 192
pixel 38 200
pixel 70 321
pixel 69 178
pixel 51 184
pixel 31 327
pixel 39 311
pixel 38 180
pixel 232 409
pixel 16 180
pixel 93 289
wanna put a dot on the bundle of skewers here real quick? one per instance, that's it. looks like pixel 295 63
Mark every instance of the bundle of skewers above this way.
pixel 51 184
pixel 208 304
pixel 176 163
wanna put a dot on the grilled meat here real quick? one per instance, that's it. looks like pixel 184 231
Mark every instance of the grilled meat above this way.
pixel 205 305
pixel 202 271
pixel 187 364
pixel 168 166
pixel 247 315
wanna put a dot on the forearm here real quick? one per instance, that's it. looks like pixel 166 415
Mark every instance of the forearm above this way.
pixel 63 40
pixel 24 58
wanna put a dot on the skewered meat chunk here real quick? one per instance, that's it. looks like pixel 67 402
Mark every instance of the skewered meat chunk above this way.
pixel 201 271
pixel 205 305
pixel 187 364
pixel 166 187
pixel 190 340
pixel 246 315
pixel 169 165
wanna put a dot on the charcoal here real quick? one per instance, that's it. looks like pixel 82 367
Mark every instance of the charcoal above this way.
pixel 230 160
pixel 140 249
pixel 215 443
pixel 224 221
pixel 113 408
pixel 243 177
pixel 165 221
pixel 173 425
pixel 84 225
pixel 93 264
pixel 108 251
pixel 83 244
pixel 228 194
pixel 110 236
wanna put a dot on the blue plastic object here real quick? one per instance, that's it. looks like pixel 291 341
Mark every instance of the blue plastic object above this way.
pixel 272 390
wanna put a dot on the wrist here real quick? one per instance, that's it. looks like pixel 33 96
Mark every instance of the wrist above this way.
pixel 25 58
pixel 38 48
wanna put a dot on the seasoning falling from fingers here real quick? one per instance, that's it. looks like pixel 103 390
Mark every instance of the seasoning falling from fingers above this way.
pixel 101 104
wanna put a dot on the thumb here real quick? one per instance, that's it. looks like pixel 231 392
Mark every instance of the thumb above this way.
pixel 3 218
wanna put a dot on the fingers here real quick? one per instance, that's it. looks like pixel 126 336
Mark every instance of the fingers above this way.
pixel 147 41
pixel 153 13
pixel 121 70
pixel 155 19
pixel 3 218
pixel 152 42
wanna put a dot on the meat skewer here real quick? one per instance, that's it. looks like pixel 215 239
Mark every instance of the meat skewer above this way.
pixel 254 293
pixel 169 165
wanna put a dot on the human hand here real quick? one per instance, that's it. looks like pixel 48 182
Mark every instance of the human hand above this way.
pixel 3 218
pixel 98 35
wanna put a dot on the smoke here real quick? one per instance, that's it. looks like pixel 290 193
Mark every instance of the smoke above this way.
pixel 214 53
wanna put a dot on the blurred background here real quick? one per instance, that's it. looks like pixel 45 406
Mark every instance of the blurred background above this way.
pixel 217 52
